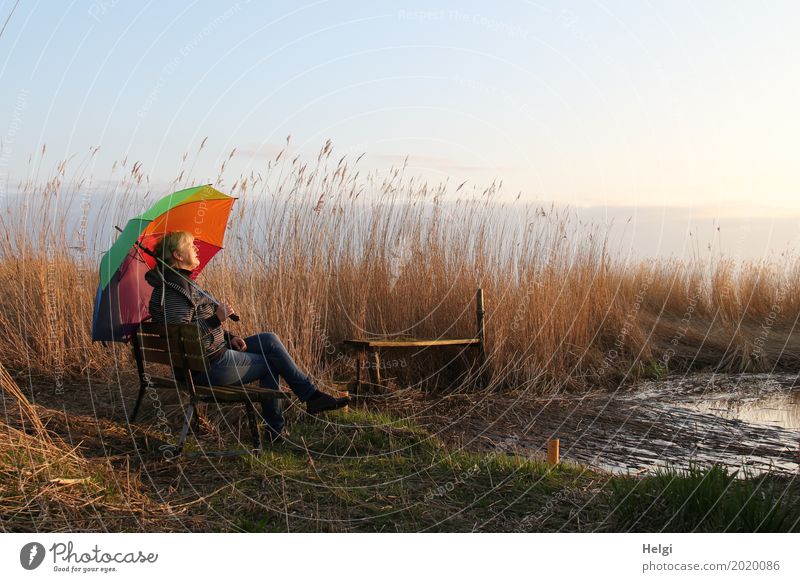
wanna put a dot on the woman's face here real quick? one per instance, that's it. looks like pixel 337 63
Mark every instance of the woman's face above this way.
pixel 186 257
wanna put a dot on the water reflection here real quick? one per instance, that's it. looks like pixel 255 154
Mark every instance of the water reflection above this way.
pixel 768 399
pixel 776 409
pixel 749 422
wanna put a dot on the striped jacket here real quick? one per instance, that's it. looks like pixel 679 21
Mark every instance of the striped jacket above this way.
pixel 174 300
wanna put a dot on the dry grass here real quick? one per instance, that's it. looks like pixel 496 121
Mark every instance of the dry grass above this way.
pixel 46 485
pixel 318 253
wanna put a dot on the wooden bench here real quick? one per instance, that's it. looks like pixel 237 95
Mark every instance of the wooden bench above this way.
pixel 367 350
pixel 180 346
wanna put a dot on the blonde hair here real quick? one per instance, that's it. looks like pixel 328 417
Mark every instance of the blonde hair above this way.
pixel 169 243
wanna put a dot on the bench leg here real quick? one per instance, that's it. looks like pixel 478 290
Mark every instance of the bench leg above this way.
pixel 200 421
pixel 188 417
pixel 253 425
pixel 138 403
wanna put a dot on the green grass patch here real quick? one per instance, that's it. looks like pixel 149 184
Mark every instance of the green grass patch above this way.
pixel 359 471
pixel 705 500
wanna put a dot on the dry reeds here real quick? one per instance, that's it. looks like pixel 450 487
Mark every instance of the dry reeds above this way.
pixel 13 398
pixel 47 485
pixel 319 253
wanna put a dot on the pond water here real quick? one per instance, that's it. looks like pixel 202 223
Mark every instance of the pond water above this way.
pixel 749 423
pixel 762 399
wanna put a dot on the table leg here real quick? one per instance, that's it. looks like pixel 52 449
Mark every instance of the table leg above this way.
pixel 360 356
pixel 375 368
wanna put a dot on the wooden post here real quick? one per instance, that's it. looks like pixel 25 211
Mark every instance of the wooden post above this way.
pixel 481 335
pixel 343 394
pixel 553 446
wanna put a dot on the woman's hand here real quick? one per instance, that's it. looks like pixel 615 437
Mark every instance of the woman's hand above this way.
pixel 238 343
pixel 223 311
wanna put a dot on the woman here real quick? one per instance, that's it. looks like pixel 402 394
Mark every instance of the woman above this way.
pixel 234 360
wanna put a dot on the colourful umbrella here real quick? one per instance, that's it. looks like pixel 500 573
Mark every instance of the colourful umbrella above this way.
pixel 123 294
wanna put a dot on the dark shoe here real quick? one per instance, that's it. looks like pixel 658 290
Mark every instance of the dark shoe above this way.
pixel 321 402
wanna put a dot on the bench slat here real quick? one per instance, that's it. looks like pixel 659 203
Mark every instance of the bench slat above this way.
pixel 172 345
pixel 154 342
pixel 411 343
pixel 175 359
pixel 160 329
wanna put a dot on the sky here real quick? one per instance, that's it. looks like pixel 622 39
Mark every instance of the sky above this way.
pixel 682 114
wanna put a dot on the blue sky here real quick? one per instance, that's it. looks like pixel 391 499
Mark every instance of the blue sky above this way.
pixel 602 104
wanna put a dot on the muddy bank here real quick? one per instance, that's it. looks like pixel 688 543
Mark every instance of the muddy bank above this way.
pixel 741 421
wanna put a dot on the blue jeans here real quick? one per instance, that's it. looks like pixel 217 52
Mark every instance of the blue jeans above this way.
pixel 266 358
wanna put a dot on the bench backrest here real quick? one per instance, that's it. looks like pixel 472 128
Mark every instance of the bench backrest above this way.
pixel 176 344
